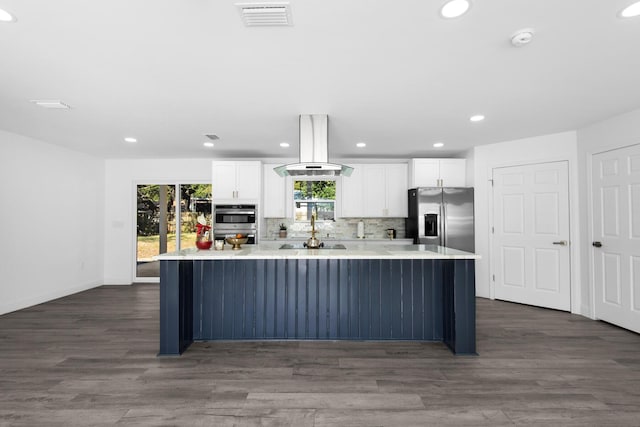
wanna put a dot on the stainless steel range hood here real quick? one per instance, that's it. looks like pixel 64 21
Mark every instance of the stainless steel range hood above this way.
pixel 314 150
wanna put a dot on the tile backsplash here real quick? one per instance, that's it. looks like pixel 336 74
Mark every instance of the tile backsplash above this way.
pixel 342 228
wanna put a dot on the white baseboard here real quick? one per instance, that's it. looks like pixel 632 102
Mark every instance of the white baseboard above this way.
pixel 39 299
pixel 147 280
pixel 118 281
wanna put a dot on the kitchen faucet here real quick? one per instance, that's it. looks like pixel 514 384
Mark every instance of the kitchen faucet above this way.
pixel 313 242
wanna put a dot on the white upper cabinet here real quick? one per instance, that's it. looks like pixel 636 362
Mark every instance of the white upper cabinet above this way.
pixel 453 172
pixel 424 173
pixel 437 173
pixel 375 191
pixel 236 180
pixel 351 196
pixel 396 190
pixel 276 200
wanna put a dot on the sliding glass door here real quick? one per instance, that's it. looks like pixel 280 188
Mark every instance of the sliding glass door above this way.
pixel 166 223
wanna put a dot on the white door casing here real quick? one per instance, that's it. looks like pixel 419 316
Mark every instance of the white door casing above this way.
pixel 616 227
pixel 530 245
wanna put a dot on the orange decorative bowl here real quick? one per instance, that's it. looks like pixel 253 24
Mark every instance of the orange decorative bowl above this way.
pixel 204 244
pixel 236 242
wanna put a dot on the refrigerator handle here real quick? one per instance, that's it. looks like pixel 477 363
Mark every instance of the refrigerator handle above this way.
pixel 443 221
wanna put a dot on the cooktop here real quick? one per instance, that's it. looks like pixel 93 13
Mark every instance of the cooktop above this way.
pixel 304 246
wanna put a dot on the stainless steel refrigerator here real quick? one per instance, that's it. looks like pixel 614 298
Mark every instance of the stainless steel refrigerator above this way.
pixel 441 216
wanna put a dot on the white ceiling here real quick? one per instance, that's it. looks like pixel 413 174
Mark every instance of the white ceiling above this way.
pixel 391 73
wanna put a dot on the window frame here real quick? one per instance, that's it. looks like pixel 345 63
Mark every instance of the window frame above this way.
pixel 313 178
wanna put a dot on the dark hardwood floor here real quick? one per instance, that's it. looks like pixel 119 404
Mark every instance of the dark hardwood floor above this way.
pixel 90 359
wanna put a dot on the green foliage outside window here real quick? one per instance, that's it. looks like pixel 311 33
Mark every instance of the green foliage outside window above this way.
pixel 305 190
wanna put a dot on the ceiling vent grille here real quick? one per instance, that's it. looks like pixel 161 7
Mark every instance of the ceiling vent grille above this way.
pixel 52 104
pixel 212 136
pixel 265 14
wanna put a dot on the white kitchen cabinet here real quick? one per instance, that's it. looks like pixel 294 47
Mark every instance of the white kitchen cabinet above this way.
pixel 437 173
pixel 351 199
pixel 396 190
pixel 453 172
pixel 375 191
pixel 236 180
pixel 277 202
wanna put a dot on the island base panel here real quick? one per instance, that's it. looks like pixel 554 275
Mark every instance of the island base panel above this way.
pixel 328 299
pixel 176 306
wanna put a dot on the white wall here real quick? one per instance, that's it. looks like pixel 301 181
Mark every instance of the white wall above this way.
pixel 470 167
pixel 616 132
pixel 547 148
pixel 51 222
pixel 121 178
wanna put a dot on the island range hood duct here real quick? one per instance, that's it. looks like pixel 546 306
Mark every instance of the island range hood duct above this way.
pixel 314 150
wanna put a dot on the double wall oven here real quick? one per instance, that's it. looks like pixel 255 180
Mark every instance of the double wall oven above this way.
pixel 230 220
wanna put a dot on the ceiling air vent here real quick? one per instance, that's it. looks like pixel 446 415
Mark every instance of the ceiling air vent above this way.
pixel 52 104
pixel 212 137
pixel 265 14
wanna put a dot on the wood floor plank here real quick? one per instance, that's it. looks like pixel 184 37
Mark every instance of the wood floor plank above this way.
pixel 90 359
pixel 410 418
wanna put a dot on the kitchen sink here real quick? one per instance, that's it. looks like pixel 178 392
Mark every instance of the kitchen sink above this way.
pixel 304 246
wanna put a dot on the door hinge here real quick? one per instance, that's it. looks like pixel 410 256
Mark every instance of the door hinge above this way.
pixel 491 181
pixel 492 230
pixel 493 277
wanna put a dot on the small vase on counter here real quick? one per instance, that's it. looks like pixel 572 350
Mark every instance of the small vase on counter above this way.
pixel 283 231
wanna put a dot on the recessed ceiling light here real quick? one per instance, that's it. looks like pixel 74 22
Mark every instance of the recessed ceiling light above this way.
pixel 477 118
pixel 6 16
pixel 438 144
pixel 130 139
pixel 51 104
pixel 208 144
pixel 455 8
pixel 284 144
pixel 361 144
pixel 631 10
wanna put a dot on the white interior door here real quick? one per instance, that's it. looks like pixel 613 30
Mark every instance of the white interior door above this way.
pixel 616 235
pixel 531 235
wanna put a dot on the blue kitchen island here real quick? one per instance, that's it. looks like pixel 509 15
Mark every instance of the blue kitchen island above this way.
pixel 260 292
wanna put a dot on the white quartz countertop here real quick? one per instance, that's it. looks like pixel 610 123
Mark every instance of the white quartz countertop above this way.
pixel 398 241
pixel 270 250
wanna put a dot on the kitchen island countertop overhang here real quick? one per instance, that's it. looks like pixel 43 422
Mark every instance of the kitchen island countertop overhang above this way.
pixel 386 292
pixel 352 251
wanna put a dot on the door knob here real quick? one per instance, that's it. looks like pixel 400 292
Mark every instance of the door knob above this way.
pixel 597 244
pixel 561 243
